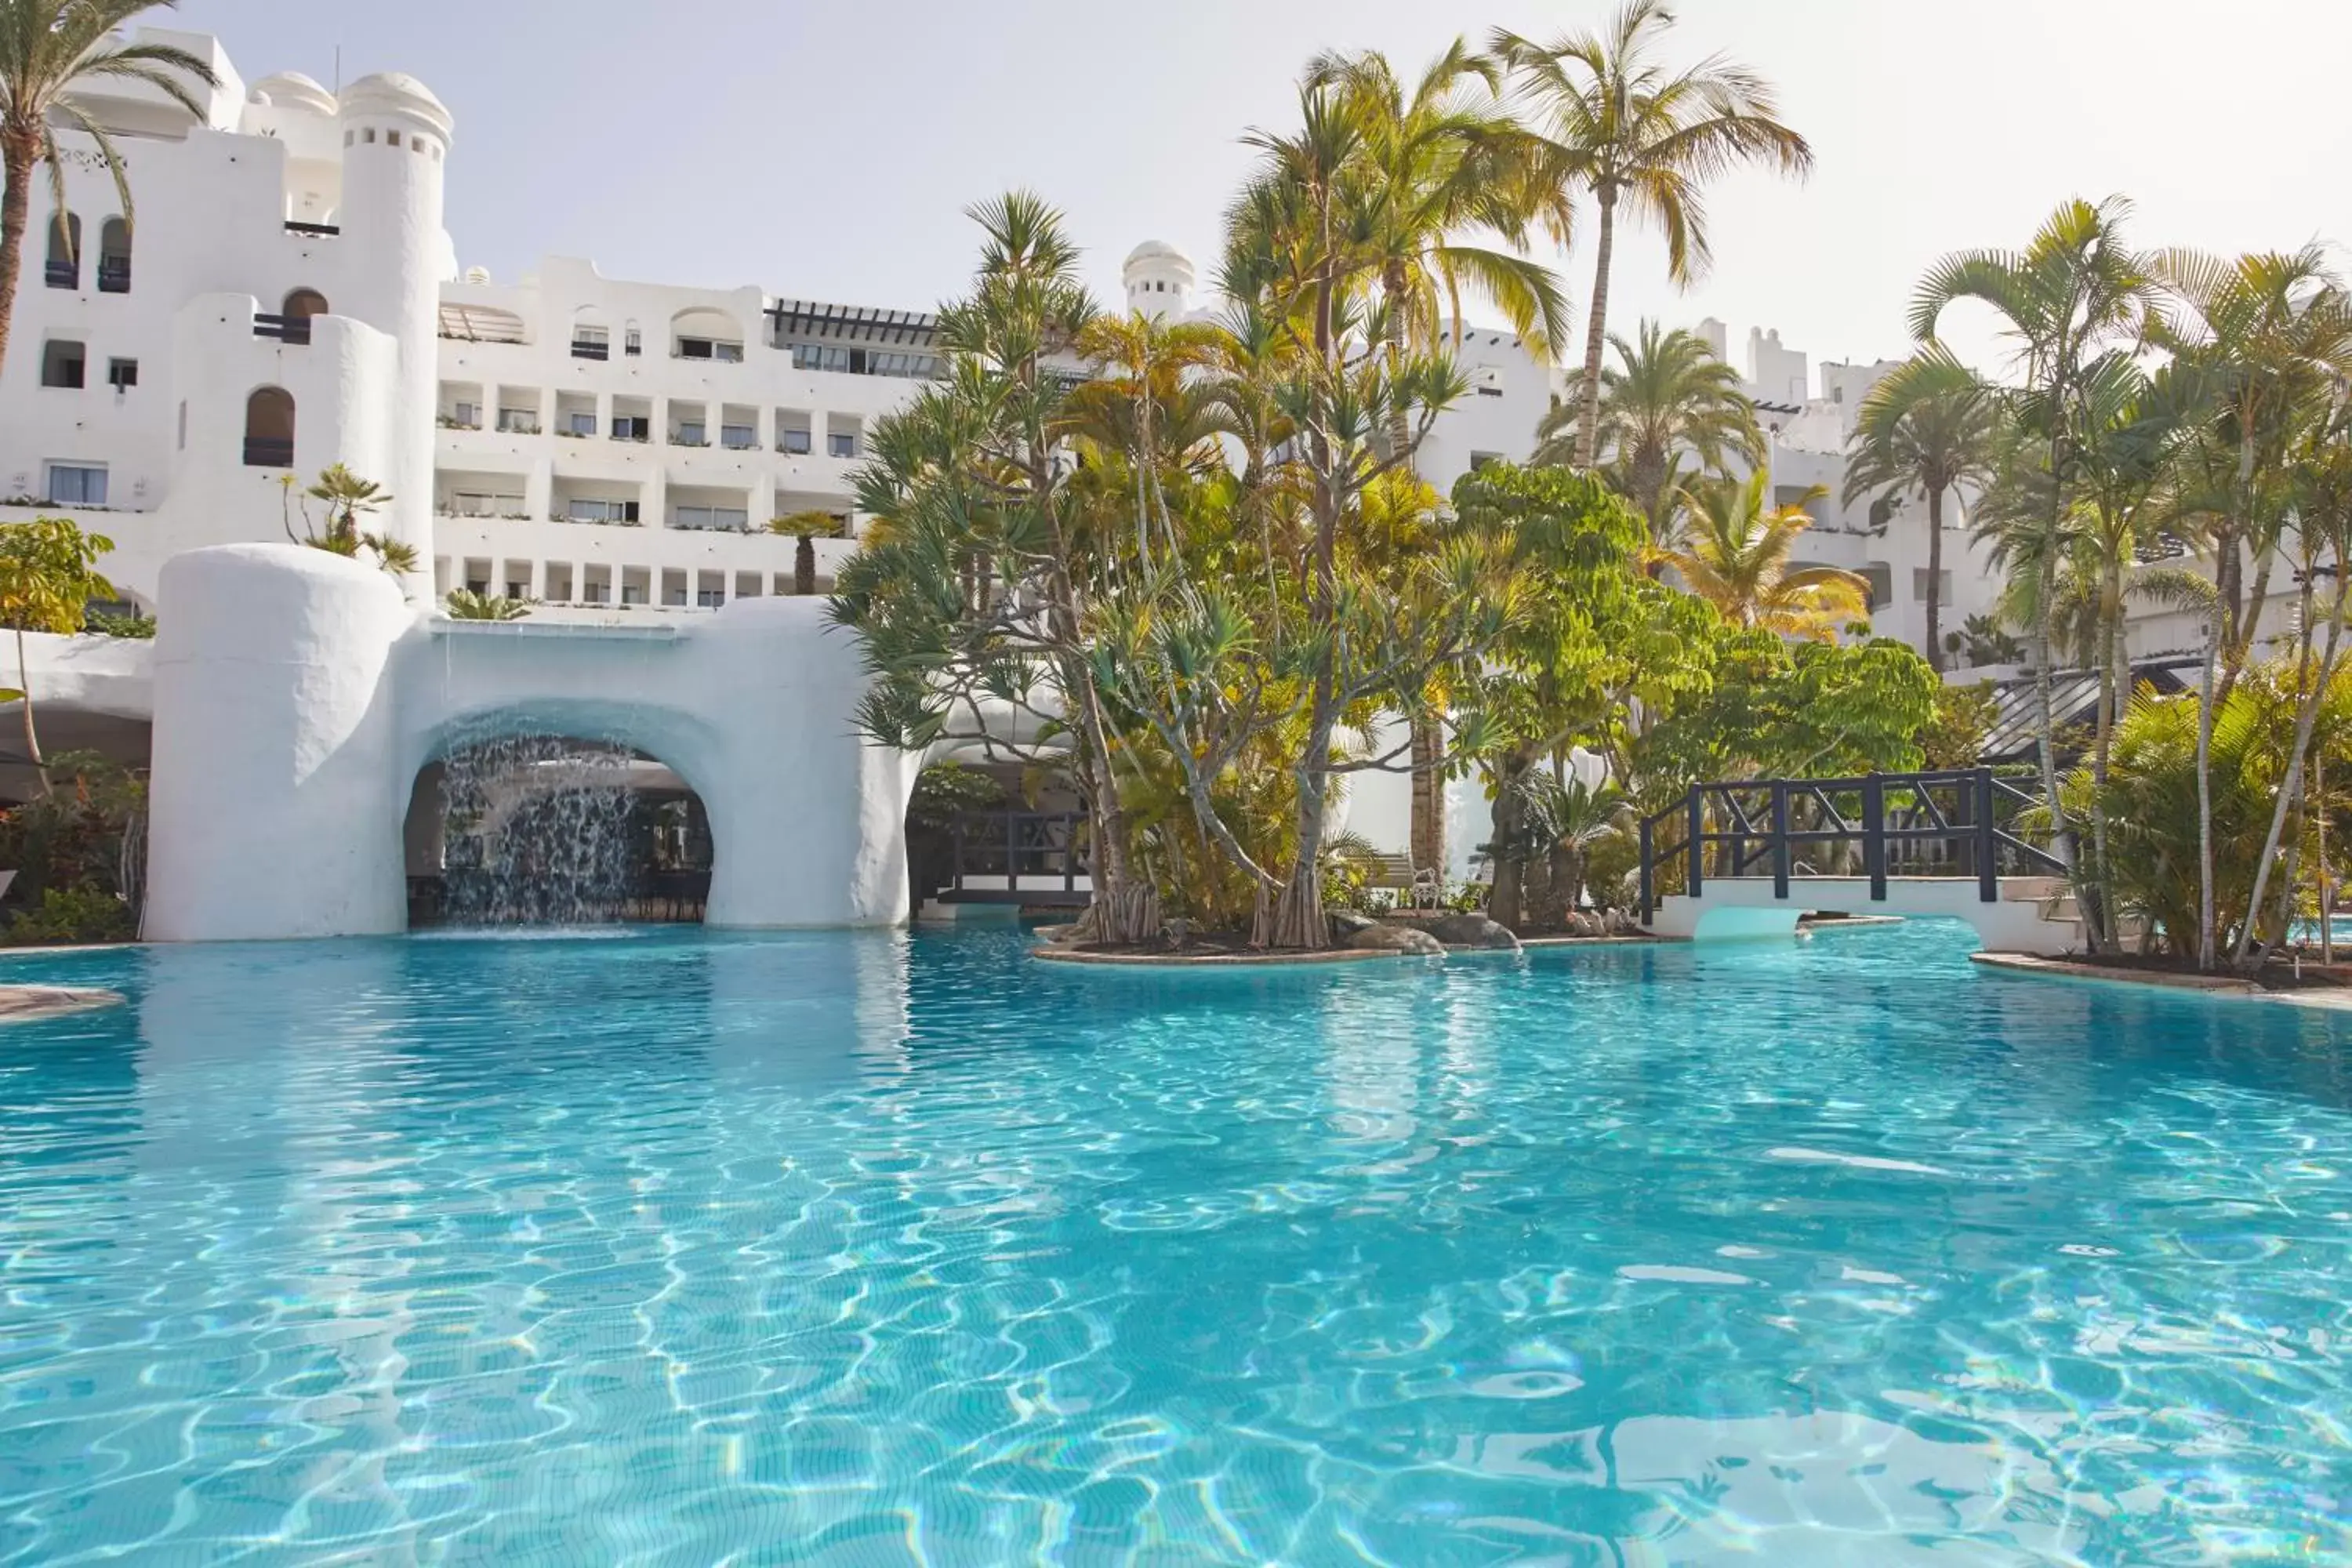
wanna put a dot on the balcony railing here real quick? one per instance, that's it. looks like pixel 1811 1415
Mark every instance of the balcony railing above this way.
pixel 582 349
pixel 285 328
pixel 315 230
pixel 269 452
pixel 114 275
pixel 63 275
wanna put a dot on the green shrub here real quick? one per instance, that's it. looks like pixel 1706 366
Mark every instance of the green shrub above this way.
pixel 68 915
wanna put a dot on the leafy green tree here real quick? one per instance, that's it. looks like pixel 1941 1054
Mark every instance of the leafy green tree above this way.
pixel 1667 400
pixel 1929 426
pixel 977 581
pixel 1735 555
pixel 1632 133
pixel 1780 709
pixel 49 576
pixel 48 49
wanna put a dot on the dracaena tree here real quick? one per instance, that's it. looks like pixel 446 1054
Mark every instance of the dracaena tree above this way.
pixel 975 587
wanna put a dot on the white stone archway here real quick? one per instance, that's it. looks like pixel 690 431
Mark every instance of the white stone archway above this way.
pixel 297 696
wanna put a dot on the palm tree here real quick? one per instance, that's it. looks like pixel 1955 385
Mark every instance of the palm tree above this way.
pixel 1623 127
pixel 2067 303
pixel 1928 426
pixel 1667 398
pixel 465 605
pixel 1735 555
pixel 48 48
pixel 805 528
pixel 1566 820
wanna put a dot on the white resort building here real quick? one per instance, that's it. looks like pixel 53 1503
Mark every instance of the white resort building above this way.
pixel 620 452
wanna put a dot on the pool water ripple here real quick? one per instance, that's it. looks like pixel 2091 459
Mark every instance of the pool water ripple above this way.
pixel 688 1248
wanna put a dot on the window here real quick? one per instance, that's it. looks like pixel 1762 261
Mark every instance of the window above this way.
pixel 1880 578
pixel 722 517
pixel 710 598
pixel 690 434
pixel 632 427
pixel 585 509
pixel 581 423
pixel 518 590
pixel 77 484
pixel 61 363
pixel 114 257
pixel 633 592
pixel 391 138
pixel 121 373
pixel 592 343
pixel 468 414
pixel 65 251
pixel 1920 585
pixel 741 437
pixel 840 444
pixel 709 348
pixel 797 442
pixel 845 361
pixel 269 428
pixel 303 303
pixel 368 135
pixel 519 421
pixel 183 425
pixel 633 342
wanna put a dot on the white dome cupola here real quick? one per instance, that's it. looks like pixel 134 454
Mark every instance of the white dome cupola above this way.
pixel 1159 280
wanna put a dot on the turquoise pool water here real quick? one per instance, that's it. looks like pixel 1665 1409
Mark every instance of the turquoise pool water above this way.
pixel 675 1249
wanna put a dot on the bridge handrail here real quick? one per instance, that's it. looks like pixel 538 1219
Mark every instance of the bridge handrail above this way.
pixel 1972 824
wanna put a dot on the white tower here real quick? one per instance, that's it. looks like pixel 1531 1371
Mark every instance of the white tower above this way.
pixel 1158 278
pixel 395 137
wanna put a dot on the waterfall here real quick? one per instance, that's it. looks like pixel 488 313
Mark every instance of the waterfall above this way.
pixel 541 830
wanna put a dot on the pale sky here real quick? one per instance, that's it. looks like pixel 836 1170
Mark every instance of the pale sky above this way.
pixel 827 150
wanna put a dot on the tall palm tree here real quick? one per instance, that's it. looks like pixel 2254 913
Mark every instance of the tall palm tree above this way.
pixel 2068 303
pixel 1928 426
pixel 2260 339
pixel 48 47
pixel 1432 161
pixel 1667 399
pixel 1623 128
pixel 1735 555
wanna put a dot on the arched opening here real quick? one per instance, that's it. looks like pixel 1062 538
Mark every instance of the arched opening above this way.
pixel 592 336
pixel 990 838
pixel 64 250
pixel 269 428
pixel 303 303
pixel 705 333
pixel 114 257
pixel 554 830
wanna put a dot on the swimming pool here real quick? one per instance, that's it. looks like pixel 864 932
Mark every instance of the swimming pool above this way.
pixel 687 1248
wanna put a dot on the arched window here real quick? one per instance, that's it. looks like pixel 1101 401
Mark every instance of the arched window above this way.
pixel 304 303
pixel 65 251
pixel 269 428
pixel 114 257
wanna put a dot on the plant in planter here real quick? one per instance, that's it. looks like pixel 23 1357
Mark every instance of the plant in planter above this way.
pixel 465 605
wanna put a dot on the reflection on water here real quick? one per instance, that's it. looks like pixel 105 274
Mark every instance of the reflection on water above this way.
pixel 880 1248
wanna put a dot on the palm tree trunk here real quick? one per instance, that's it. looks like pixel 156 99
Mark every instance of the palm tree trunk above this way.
pixel 1507 897
pixel 2206 937
pixel 17 158
pixel 805 566
pixel 32 739
pixel 2310 686
pixel 1936 580
pixel 1428 835
pixel 1596 331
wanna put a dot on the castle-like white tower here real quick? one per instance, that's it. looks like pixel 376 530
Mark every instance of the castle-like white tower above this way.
pixel 1159 280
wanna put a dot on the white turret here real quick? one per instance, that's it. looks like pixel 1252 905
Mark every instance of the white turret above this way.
pixel 395 137
pixel 1158 278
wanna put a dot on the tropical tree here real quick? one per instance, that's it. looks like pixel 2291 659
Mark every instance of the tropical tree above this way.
pixel 1563 821
pixel 347 499
pixel 972 588
pixel 1630 132
pixel 2068 303
pixel 1929 426
pixel 48 47
pixel 1667 400
pixel 2265 338
pixel 1735 555
pixel 49 576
